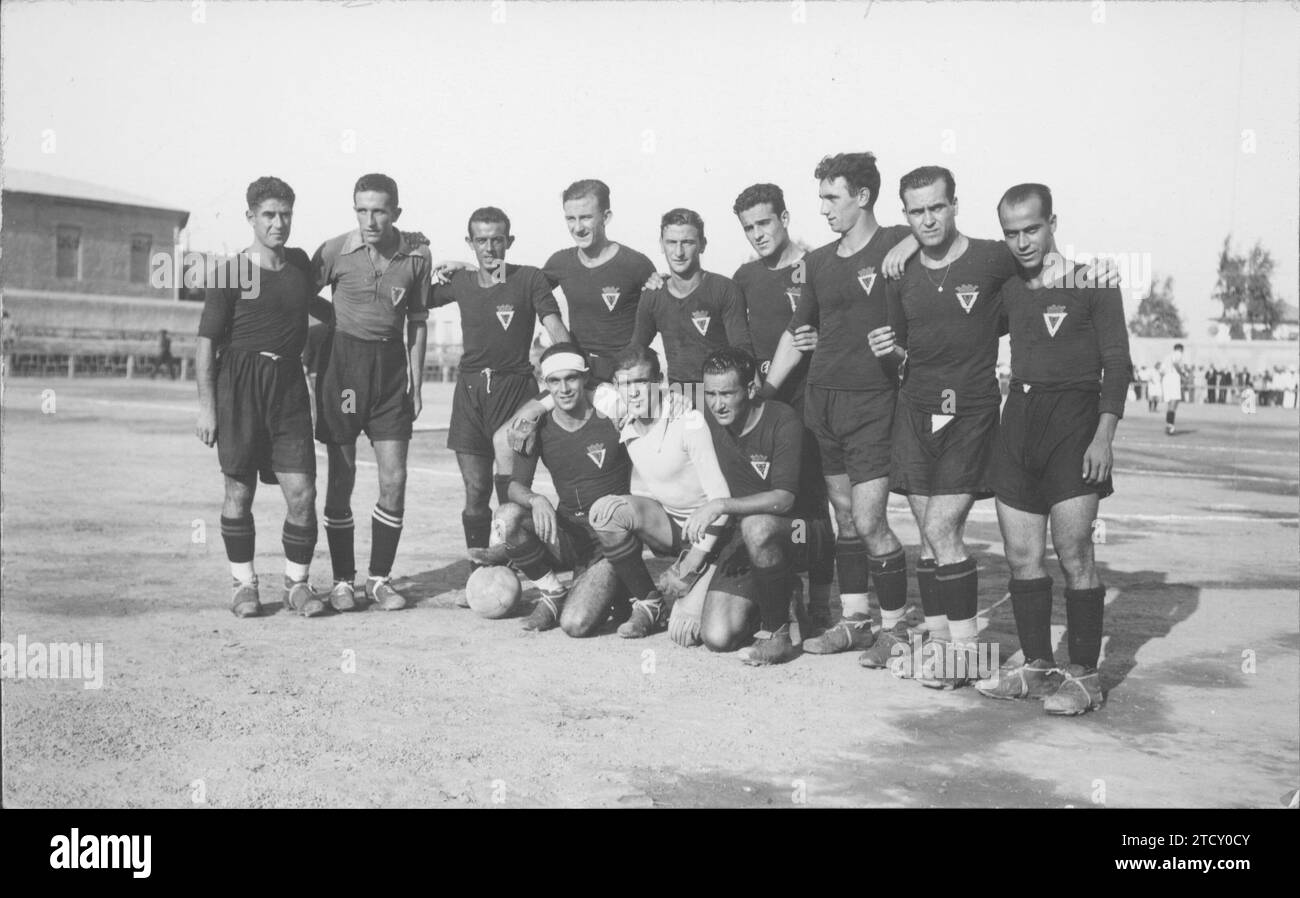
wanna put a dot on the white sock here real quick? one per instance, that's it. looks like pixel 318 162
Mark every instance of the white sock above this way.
pixel 549 582
pixel 243 571
pixel 936 624
pixel 855 604
pixel 294 571
pixel 891 619
pixel 964 630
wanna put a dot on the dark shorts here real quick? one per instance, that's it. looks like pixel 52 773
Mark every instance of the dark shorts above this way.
pixel 362 386
pixel 576 545
pixel 852 430
pixel 263 416
pixel 953 461
pixel 481 404
pixel 1039 447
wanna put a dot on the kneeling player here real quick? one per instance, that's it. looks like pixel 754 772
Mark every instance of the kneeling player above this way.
pixel 759 446
pixel 1070 369
pixel 256 408
pixel 675 460
pixel 581 449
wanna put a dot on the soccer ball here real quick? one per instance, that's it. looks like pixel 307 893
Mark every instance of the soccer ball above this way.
pixel 493 592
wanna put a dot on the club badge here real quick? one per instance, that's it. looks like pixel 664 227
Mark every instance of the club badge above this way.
pixel 701 321
pixel 793 295
pixel 610 295
pixel 505 314
pixel 596 452
pixel 867 278
pixel 761 464
pixel 399 293
pixel 1053 317
pixel 966 295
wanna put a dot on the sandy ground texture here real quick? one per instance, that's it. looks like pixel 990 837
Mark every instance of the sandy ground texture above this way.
pixel 111 536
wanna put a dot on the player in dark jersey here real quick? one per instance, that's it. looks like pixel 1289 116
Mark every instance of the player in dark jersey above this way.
pixel 945 311
pixel 772 284
pixel 601 280
pixel 254 404
pixel 850 397
pixel 586 460
pixel 369 379
pixel 500 306
pixel 695 310
pixel 760 450
pixel 1052 458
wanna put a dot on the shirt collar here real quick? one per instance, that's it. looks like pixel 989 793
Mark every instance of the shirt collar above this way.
pixel 354 243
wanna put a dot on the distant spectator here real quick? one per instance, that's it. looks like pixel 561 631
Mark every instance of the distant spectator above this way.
pixel 165 356
pixel 1153 387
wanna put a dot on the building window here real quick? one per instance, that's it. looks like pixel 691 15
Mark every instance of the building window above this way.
pixel 68 256
pixel 141 247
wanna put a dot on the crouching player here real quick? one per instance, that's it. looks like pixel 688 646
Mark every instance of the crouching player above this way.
pixel 759 447
pixel 1052 457
pixel 256 408
pixel 581 449
pixel 675 461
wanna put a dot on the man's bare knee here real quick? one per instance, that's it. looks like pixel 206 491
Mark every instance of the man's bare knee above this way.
pixel 721 635
pixel 612 516
pixel 764 536
pixel 510 519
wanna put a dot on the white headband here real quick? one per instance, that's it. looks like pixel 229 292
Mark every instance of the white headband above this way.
pixel 562 361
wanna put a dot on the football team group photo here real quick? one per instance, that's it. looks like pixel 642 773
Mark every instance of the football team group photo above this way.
pixel 635 405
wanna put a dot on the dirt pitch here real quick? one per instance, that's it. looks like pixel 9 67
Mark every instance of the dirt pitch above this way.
pixel 101 509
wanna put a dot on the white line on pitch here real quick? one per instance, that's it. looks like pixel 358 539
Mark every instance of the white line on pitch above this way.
pixel 1120 444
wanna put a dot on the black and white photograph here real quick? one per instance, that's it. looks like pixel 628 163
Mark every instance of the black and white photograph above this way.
pixel 628 405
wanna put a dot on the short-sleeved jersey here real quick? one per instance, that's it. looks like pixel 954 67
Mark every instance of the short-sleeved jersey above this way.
pixel 712 317
pixel 585 464
pixel 271 319
pixel 497 322
pixel 951 334
pixel 844 297
pixel 771 297
pixel 767 457
pixel 1065 338
pixel 369 305
pixel 602 300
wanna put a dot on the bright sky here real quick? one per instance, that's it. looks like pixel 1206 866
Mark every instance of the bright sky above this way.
pixel 1135 121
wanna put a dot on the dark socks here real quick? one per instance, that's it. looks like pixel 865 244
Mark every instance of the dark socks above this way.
pixel 385 531
pixel 299 542
pixel 851 565
pixel 929 588
pixel 338 534
pixel 478 529
pixel 889 573
pixel 773 588
pixel 1083 613
pixel 958 589
pixel 625 556
pixel 240 537
pixel 529 556
pixel 1031 602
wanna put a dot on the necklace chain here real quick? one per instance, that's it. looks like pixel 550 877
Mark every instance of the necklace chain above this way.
pixel 944 280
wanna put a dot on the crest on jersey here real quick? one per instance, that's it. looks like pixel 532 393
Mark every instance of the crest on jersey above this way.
pixel 761 464
pixel 867 278
pixel 701 321
pixel 610 295
pixel 793 295
pixel 596 452
pixel 505 314
pixel 398 294
pixel 966 295
pixel 1053 317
